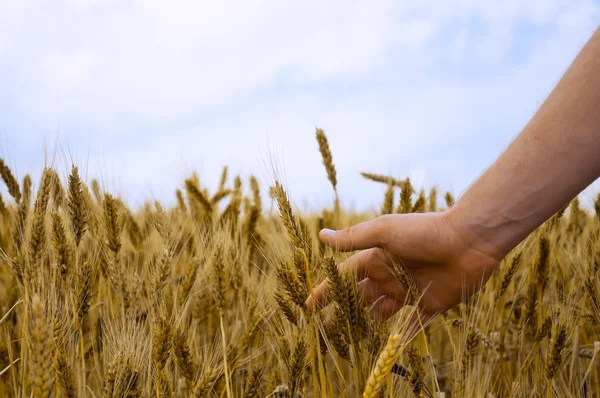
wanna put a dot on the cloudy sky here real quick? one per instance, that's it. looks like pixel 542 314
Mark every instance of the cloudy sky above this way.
pixel 140 93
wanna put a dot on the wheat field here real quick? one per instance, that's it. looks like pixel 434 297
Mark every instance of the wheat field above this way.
pixel 207 299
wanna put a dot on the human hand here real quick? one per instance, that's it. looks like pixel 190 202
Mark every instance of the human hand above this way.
pixel 444 266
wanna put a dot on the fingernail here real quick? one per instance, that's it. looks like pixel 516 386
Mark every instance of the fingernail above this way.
pixel 328 233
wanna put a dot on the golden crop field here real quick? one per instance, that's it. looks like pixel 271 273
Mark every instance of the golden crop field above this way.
pixel 208 299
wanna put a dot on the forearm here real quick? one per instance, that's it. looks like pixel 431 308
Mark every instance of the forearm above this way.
pixel 554 158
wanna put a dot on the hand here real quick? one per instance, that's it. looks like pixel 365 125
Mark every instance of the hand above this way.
pixel 444 266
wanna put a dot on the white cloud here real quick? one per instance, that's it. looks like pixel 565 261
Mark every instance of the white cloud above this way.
pixel 157 88
pixel 82 5
pixel 68 70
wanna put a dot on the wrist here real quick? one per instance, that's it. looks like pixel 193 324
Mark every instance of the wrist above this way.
pixel 479 234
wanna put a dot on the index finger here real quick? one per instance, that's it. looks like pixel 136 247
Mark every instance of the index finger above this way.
pixel 365 235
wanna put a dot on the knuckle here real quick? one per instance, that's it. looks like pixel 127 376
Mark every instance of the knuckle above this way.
pixel 381 227
pixel 344 235
pixel 373 255
pixel 349 233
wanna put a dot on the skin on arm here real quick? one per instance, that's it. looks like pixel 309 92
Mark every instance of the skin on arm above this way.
pixel 554 158
pixel 453 253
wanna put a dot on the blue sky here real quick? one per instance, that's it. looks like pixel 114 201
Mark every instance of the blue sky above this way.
pixel 141 93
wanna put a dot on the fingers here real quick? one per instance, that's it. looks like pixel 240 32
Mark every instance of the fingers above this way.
pixel 368 291
pixel 318 297
pixel 362 265
pixel 361 236
pixel 384 307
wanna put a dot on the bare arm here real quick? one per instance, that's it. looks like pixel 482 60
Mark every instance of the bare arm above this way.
pixel 554 158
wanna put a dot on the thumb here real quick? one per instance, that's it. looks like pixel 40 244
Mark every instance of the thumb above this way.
pixel 365 235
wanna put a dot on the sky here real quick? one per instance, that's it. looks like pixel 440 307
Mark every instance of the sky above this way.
pixel 141 93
